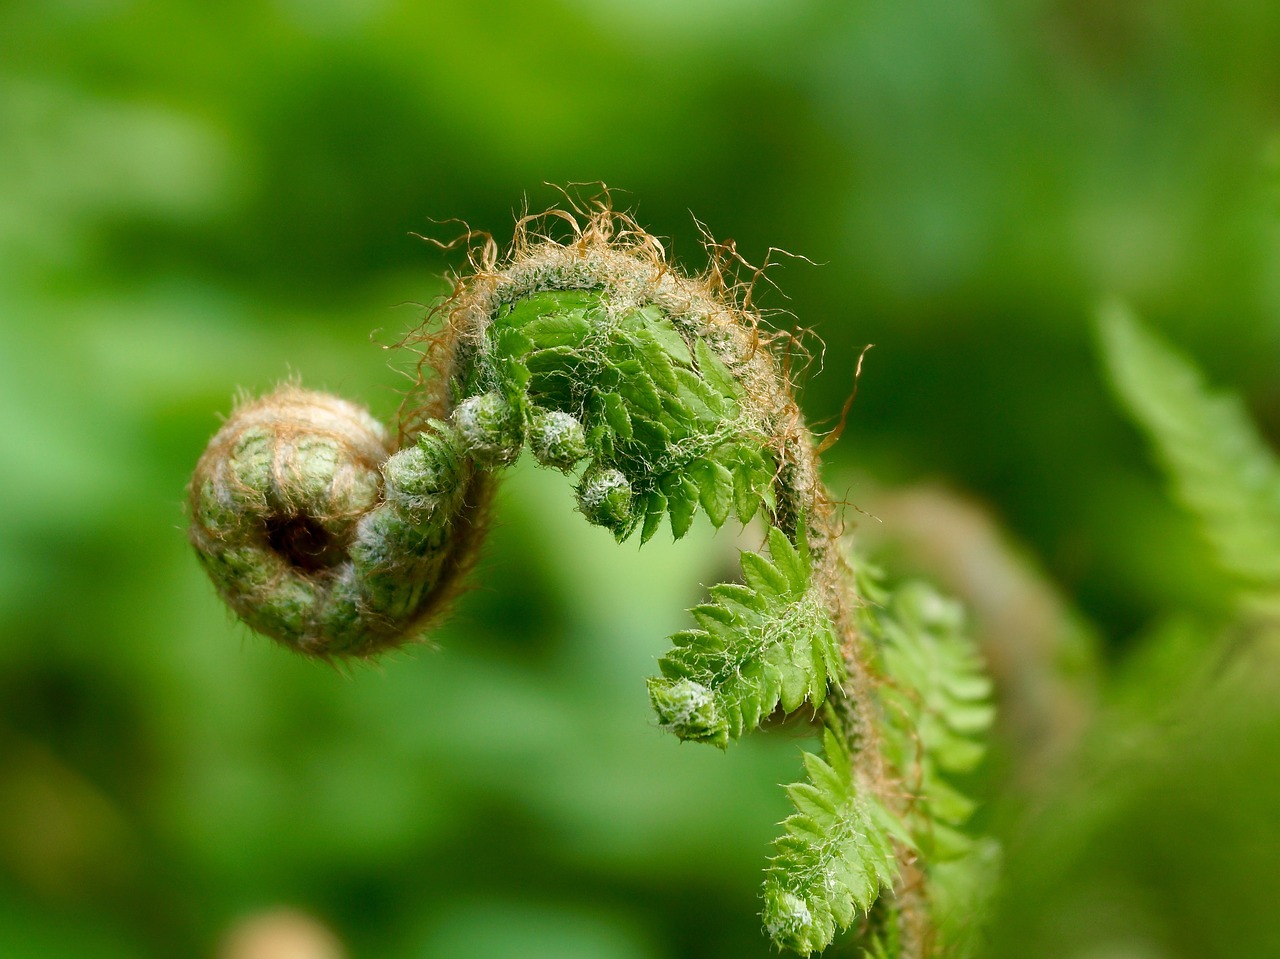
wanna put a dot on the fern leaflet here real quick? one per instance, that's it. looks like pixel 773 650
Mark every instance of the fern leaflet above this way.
pixel 767 642
pixel 1221 467
pixel 937 710
pixel 836 854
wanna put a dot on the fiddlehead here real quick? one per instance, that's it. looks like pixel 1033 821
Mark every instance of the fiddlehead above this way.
pixel 316 535
pixel 663 393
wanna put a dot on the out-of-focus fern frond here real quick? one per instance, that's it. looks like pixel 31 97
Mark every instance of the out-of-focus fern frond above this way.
pixel 936 708
pixel 1222 469
pixel 936 713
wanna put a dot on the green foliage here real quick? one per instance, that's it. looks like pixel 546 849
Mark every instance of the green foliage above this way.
pixel 491 431
pixel 569 348
pixel 936 706
pixel 836 854
pixel 761 644
pixel 1171 790
pixel 1220 466
pixel 668 428
pixel 937 711
pixel 664 415
pixel 840 847
pixel 194 196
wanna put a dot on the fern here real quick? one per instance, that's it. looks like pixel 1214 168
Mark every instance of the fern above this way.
pixel 767 643
pixel 941 697
pixel 660 394
pixel 937 711
pixel 664 415
pixel 1222 469
pixel 841 847
pixel 836 854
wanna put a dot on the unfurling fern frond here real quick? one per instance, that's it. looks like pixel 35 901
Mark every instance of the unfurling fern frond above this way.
pixel 660 393
pixel 1223 470
pixel 765 643
pixel 836 854
pixel 845 842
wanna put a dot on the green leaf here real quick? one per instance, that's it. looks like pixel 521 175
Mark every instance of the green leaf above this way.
pixel 760 645
pixel 531 308
pixel 554 361
pixel 715 489
pixel 665 334
pixel 764 577
pixel 714 373
pixel 702 402
pixel 1222 469
pixel 934 701
pixel 752 478
pixel 655 507
pixel 652 437
pixel 794 566
pixel 832 860
pixel 557 329
pixel 637 389
pixel 615 414
pixel 682 503
pixel 656 361
pixel 512 343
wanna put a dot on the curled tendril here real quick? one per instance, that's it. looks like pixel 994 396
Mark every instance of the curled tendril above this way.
pixel 592 353
pixel 317 535
pixel 663 396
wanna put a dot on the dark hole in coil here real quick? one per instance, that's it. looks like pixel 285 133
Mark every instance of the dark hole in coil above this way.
pixel 303 542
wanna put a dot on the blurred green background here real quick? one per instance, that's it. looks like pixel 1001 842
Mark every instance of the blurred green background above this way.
pixel 197 198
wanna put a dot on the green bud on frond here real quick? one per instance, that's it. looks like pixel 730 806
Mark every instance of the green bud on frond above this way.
pixel 490 429
pixel 557 439
pixel 689 710
pixel 604 497
pixel 429 475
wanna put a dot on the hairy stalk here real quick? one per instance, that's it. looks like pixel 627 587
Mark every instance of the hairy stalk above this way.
pixel 321 532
